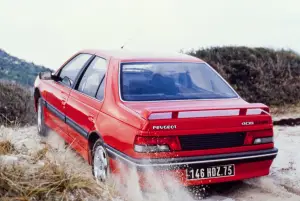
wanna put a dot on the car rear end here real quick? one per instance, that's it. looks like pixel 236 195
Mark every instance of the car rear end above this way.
pixel 202 147
pixel 199 130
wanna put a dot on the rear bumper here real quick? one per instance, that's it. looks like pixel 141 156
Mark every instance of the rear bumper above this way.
pixel 247 165
pixel 183 162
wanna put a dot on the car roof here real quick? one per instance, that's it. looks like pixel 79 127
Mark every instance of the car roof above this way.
pixel 126 55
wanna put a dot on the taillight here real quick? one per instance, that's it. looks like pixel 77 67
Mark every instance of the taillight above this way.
pixel 146 144
pixel 263 140
pixel 259 137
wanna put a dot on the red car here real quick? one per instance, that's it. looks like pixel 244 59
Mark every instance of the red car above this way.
pixel 170 113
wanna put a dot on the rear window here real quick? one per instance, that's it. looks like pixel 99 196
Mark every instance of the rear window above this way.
pixel 171 81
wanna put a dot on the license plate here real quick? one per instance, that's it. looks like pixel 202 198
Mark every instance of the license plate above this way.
pixel 210 172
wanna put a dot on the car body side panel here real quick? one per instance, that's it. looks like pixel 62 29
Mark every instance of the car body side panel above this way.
pixel 57 95
pixel 111 104
pixel 116 124
pixel 115 133
pixel 54 118
pixel 81 114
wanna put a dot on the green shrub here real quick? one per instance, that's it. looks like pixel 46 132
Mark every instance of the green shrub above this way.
pixel 258 74
pixel 16 105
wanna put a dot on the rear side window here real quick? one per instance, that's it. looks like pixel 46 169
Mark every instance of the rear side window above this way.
pixel 92 77
pixel 71 69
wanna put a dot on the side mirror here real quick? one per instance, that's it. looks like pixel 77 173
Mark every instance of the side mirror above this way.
pixel 47 75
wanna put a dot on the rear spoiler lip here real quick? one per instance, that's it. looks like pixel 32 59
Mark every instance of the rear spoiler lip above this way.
pixel 147 112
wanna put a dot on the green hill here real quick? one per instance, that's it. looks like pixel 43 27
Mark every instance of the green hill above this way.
pixel 18 70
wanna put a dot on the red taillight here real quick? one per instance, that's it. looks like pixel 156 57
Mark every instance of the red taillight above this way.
pixel 249 139
pixel 157 144
pixel 252 135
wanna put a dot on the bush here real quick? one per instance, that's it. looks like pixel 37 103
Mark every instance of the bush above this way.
pixel 258 74
pixel 16 105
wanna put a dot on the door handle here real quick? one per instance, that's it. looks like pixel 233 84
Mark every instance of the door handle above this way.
pixel 63 102
pixel 91 118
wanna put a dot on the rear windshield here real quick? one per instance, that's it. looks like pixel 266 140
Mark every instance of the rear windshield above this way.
pixel 171 81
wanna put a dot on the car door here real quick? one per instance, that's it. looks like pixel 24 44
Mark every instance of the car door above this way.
pixel 59 90
pixel 84 104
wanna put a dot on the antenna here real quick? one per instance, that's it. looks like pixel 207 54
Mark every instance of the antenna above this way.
pixel 134 35
pixel 125 43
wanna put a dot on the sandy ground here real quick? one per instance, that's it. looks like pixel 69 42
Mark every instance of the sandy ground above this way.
pixel 282 184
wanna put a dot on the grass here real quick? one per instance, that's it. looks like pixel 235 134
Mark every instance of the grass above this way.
pixel 41 154
pixel 49 182
pixel 46 176
pixel 6 147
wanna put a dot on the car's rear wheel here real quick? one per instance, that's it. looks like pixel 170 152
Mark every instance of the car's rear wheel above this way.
pixel 42 129
pixel 100 163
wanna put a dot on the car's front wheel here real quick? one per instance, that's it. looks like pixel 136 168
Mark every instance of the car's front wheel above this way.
pixel 42 129
pixel 100 164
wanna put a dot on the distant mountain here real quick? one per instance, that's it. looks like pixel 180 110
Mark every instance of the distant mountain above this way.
pixel 18 70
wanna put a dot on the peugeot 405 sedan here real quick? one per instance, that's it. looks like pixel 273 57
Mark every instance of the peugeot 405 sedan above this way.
pixel 168 113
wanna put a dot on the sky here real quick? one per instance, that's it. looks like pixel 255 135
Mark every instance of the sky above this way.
pixel 49 32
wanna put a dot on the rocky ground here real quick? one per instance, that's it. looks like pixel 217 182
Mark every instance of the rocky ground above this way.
pixel 282 184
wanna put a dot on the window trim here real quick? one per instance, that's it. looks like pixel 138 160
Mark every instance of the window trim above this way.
pixel 80 71
pixel 76 85
pixel 200 62
pixel 104 77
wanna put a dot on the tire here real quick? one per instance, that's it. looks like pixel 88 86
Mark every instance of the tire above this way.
pixel 41 126
pixel 100 162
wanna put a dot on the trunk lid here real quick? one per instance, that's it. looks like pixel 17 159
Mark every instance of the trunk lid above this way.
pixel 202 116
